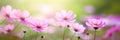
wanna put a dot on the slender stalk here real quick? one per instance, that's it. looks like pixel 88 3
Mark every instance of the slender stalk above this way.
pixel 42 37
pixel 9 35
pixel 17 25
pixel 64 33
pixel 95 35
pixel 78 38
pixel 72 36
pixel 24 35
pixel 37 35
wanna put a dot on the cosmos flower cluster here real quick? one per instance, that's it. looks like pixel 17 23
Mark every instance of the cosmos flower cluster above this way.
pixel 63 19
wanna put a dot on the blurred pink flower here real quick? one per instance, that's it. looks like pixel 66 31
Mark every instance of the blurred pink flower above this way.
pixel 64 18
pixel 112 20
pixel 49 29
pixel 89 9
pixel 111 31
pixel 63 24
pixel 51 21
pixel 39 25
pixel 7 12
pixel 95 22
pixel 50 15
pixel 49 18
pixel 22 17
pixel 75 27
pixel 8 28
pixel 86 36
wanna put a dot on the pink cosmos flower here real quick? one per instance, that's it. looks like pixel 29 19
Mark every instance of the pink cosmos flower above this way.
pixel 111 31
pixel 89 9
pixel 64 18
pixel 86 36
pixel 75 27
pixel 112 20
pixel 95 22
pixel 52 22
pixel 39 25
pixel 49 18
pixel 8 28
pixel 22 17
pixel 8 13
pixel 49 30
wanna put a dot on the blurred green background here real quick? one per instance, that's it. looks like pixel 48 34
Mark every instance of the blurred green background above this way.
pixel 33 6
pixel 37 8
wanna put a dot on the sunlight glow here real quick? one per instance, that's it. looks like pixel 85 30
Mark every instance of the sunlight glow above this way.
pixel 46 9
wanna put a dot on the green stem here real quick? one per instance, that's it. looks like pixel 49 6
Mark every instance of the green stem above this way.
pixel 17 25
pixel 9 35
pixel 42 37
pixel 72 36
pixel 64 33
pixel 24 36
pixel 37 35
pixel 94 34
pixel 78 38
